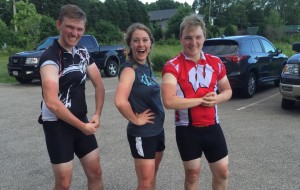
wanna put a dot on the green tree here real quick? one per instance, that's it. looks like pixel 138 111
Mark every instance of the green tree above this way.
pixel 273 26
pixel 106 32
pixel 48 27
pixel 118 14
pixel 8 38
pixel 6 11
pixel 163 4
pixel 96 11
pixel 27 21
pixel 138 12
pixel 174 23
pixel 157 32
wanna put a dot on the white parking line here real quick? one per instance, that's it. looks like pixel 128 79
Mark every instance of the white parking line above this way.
pixel 241 108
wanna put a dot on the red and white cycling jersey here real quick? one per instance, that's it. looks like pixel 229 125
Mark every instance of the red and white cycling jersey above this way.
pixel 194 80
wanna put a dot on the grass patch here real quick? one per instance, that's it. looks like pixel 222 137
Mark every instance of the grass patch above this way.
pixel 286 48
pixel 4 76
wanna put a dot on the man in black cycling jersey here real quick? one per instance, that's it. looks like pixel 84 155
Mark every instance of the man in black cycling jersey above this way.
pixel 64 68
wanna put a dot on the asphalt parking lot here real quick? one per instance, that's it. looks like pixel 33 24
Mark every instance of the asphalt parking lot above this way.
pixel 263 142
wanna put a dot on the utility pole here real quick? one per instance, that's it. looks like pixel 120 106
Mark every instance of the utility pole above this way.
pixel 15 11
pixel 209 18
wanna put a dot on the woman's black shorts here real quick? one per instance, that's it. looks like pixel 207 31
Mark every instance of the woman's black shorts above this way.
pixel 146 147
pixel 192 141
pixel 63 140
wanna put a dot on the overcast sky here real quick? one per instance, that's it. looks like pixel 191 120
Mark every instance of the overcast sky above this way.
pixel 190 2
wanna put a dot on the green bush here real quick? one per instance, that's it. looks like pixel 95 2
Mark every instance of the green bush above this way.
pixel 230 30
pixel 212 31
pixel 157 33
pixel 159 61
pixel 169 41
pixel 162 53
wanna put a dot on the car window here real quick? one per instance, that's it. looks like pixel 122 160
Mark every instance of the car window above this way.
pixel 268 47
pixel 86 42
pixel 256 46
pixel 220 47
pixel 45 43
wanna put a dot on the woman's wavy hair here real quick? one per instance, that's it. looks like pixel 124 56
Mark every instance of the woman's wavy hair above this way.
pixel 132 28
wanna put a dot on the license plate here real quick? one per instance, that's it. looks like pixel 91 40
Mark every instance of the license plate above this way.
pixel 287 88
pixel 15 73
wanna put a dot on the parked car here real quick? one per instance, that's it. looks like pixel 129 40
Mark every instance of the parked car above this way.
pixel 290 80
pixel 24 65
pixel 250 60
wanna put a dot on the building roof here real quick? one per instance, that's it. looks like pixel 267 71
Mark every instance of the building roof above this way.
pixel 162 14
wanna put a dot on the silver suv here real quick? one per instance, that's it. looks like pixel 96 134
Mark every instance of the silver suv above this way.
pixel 290 80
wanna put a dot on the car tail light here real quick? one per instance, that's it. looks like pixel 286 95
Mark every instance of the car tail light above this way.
pixel 124 52
pixel 235 58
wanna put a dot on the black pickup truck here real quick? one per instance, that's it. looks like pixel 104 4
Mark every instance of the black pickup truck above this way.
pixel 23 65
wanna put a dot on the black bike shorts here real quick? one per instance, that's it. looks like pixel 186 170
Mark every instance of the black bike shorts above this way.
pixel 192 141
pixel 63 140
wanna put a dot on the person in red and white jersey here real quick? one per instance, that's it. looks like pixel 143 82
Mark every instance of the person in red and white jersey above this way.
pixel 193 84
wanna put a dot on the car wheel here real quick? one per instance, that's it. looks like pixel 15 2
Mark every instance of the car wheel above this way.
pixel 287 104
pixel 24 80
pixel 111 69
pixel 250 89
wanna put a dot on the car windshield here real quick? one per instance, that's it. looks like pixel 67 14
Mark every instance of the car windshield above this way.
pixel 220 47
pixel 45 43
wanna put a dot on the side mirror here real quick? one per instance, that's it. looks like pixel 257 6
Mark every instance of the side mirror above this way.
pixel 296 47
pixel 279 51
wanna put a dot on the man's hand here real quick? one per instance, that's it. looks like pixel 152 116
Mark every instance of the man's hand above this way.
pixel 209 100
pixel 89 128
pixel 95 120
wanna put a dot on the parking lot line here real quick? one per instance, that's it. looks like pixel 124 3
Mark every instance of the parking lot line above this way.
pixel 254 103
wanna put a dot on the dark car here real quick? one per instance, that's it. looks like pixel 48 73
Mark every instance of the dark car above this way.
pixel 24 65
pixel 290 80
pixel 250 60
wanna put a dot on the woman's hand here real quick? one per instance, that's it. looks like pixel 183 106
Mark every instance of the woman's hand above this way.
pixel 145 117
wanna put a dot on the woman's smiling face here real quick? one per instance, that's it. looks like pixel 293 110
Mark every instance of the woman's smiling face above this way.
pixel 140 46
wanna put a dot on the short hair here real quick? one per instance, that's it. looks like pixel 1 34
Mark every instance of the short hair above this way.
pixel 129 32
pixel 191 22
pixel 71 11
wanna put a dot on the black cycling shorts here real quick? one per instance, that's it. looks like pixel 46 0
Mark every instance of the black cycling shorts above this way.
pixel 192 141
pixel 63 140
pixel 146 147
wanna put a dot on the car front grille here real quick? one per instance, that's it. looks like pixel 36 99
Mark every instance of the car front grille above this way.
pixel 17 60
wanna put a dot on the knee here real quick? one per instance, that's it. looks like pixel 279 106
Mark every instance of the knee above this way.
pixel 146 183
pixel 223 174
pixel 192 175
pixel 64 184
pixel 95 173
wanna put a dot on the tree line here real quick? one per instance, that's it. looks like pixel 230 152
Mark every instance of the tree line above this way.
pixel 107 21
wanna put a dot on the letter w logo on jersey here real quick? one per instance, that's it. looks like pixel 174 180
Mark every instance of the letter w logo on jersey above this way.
pixel 200 76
